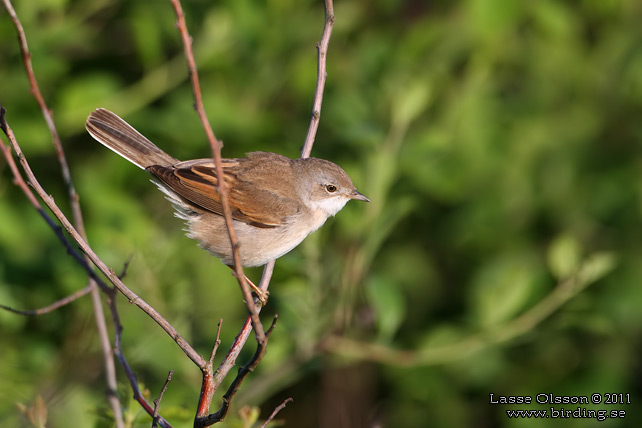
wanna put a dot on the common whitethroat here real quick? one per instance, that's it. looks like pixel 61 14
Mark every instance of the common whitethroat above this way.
pixel 275 201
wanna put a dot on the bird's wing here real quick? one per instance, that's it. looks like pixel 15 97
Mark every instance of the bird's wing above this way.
pixel 196 181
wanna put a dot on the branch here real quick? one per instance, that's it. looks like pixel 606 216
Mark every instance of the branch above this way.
pixel 217 341
pixel 110 370
pixel 118 351
pixel 155 416
pixel 21 183
pixel 87 250
pixel 212 379
pixel 236 383
pixel 77 233
pixel 277 410
pixel 208 387
pixel 52 307
pixel 322 50
pixel 230 359
pixel 222 186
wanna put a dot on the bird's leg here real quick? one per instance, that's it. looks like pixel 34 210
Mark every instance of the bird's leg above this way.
pixel 262 295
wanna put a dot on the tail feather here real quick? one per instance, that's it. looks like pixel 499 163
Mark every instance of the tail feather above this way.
pixel 116 134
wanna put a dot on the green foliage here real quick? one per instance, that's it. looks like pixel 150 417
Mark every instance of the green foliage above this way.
pixel 498 141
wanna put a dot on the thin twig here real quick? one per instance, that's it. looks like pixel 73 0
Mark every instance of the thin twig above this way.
pixel 101 326
pixel 212 379
pixel 277 410
pixel 322 49
pixel 55 305
pixel 86 249
pixel 222 186
pixel 208 387
pixel 46 112
pixel 236 383
pixel 155 417
pixel 21 183
pixel 18 180
pixel 230 359
pixel 217 342
pixel 123 272
pixel 131 376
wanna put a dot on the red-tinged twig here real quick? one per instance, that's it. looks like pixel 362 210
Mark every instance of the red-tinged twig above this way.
pixel 208 388
pixel 230 359
pixel 155 416
pixel 222 186
pixel 276 411
pixel 55 305
pixel 236 383
pixel 322 50
pixel 212 379
pixel 101 326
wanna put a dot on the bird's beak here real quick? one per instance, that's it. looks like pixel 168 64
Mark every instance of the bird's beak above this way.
pixel 358 196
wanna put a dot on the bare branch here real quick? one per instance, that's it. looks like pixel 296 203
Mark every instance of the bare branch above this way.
pixel 236 383
pixel 277 410
pixel 158 400
pixel 212 379
pixel 322 49
pixel 230 359
pixel 109 291
pixel 216 152
pixel 87 250
pixel 123 272
pixel 217 342
pixel 208 387
pixel 118 351
pixel 101 326
pixel 52 307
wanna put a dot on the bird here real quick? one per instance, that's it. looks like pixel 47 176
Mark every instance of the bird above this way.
pixel 276 202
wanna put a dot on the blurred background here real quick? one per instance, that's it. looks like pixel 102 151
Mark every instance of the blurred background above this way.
pixel 500 143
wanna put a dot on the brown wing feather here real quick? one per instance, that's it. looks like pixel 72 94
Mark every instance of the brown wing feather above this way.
pixel 196 181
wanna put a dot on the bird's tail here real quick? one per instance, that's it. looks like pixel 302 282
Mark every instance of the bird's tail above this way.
pixel 116 134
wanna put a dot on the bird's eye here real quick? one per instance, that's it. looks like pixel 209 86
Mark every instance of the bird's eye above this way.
pixel 331 188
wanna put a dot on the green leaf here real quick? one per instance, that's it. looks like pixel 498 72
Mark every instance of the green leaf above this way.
pixel 564 256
